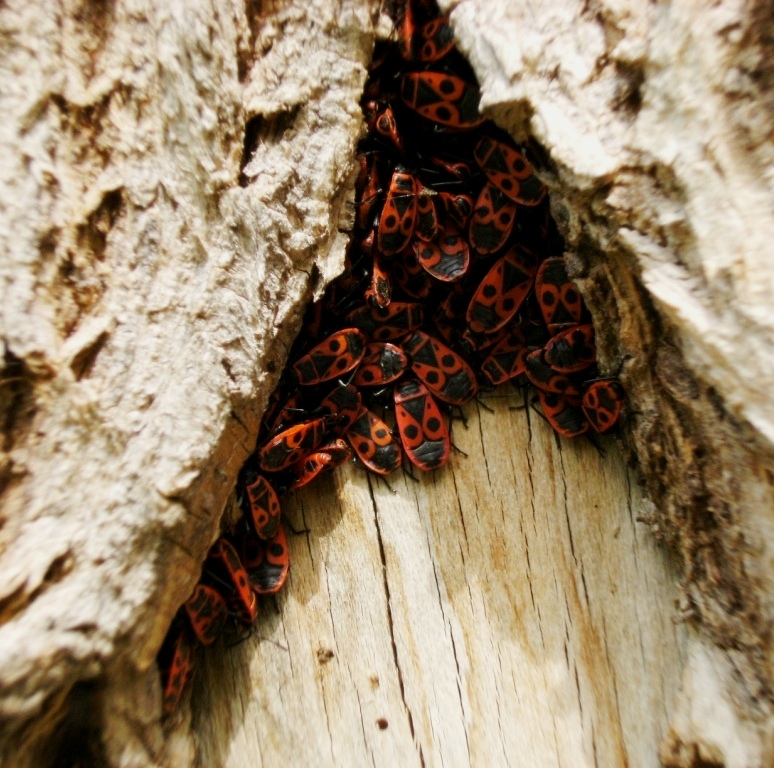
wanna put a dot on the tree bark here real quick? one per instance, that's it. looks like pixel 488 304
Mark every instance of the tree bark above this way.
pixel 174 183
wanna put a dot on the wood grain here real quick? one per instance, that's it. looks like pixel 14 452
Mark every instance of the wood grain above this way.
pixel 508 610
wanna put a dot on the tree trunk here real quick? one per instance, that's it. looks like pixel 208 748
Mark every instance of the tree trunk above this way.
pixel 175 180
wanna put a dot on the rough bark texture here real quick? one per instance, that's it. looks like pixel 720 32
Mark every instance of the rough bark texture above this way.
pixel 173 182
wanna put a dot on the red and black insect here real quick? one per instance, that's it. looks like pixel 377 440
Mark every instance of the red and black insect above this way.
pixel 492 220
pixel 546 379
pixel 563 414
pixel 338 354
pixel 176 664
pixel 433 40
pixel 340 408
pixel 448 258
pixel 507 359
pixel 510 171
pixel 399 214
pixel 387 323
pixel 559 298
pixel 381 118
pixel 458 169
pixel 602 403
pixel 409 275
pixel 371 191
pixel 429 42
pixel 264 508
pixel 442 98
pixel 443 371
pixel 325 459
pixel 458 207
pixel 427 217
pixel 572 350
pixel 379 292
pixel 501 293
pixel 224 566
pixel 267 563
pixel 207 612
pixel 383 363
pixel 279 413
pixel 374 444
pixel 291 445
pixel 422 429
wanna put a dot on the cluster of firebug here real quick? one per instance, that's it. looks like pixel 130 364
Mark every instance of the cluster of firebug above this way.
pixel 454 284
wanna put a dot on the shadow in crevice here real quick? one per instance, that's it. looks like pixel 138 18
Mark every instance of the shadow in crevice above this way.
pixel 265 129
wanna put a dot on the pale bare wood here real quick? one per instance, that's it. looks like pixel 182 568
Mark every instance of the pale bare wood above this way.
pixel 508 610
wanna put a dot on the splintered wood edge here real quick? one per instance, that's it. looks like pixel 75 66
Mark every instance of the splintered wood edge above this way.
pixel 509 609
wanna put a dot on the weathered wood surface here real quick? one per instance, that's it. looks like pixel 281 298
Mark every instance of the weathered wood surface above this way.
pixel 509 610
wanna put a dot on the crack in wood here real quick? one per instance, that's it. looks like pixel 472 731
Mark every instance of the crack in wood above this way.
pixel 390 622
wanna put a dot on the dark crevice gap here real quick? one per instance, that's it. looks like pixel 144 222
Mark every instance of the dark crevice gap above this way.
pixel 390 622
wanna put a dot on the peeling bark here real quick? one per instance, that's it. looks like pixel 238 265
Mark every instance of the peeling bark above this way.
pixel 174 180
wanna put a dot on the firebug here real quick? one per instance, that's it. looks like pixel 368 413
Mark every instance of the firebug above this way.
pixel 492 220
pixel 559 298
pixel 422 429
pixel 443 371
pixel 399 214
pixel 264 508
pixel 510 171
pixel 500 294
pixel 374 444
pixel 207 611
pixel 176 663
pixel 338 354
pixel 291 445
pixel 383 362
pixel 602 403
pixel 445 99
pixel 448 258
pixel 267 563
pixel 224 566
pixel 571 350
